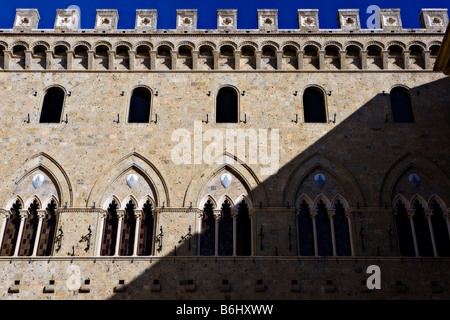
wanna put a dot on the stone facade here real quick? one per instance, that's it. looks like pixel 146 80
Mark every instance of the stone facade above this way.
pixel 359 158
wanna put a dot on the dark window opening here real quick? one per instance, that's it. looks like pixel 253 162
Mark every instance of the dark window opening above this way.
pixel 440 231
pixel 341 231
pixel 227 106
pixel 207 235
pixel 422 230
pixel 404 233
pixel 305 230
pixel 314 105
pixel 110 231
pixel 128 230
pixel 243 231
pixel 401 105
pixel 52 106
pixel 226 231
pixel 139 106
pixel 324 244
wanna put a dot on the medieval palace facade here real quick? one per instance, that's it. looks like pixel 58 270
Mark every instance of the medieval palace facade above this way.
pixel 223 163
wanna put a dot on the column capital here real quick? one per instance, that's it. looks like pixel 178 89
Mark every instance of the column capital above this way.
pixel 138 214
pixel 313 213
pixel 23 214
pixel 120 214
pixel 41 213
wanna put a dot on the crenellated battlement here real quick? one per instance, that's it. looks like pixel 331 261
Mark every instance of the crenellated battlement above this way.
pixel 67 20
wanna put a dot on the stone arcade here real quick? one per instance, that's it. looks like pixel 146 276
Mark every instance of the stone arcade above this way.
pixel 92 205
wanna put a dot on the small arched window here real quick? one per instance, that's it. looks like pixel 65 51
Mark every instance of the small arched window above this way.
pixel 227 106
pixel 139 106
pixel 401 105
pixel 52 106
pixel 314 105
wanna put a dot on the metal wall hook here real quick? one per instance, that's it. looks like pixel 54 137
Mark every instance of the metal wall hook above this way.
pixel 296 119
pixel 156 119
pixel 28 119
pixel 334 119
pixel 243 93
pixel 295 93
pixel 245 119
pixel 87 238
pixel 118 119
pixel 330 92
pixel 159 238
pixel 207 120
pixel 66 120
pixel 58 239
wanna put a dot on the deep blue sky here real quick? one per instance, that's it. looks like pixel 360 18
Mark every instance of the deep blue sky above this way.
pixel 287 11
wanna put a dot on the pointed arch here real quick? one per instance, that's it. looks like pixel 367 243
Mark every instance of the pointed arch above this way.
pixel 341 199
pixel 230 163
pixel 144 200
pixel 224 198
pixel 438 200
pixel 140 164
pixel 243 197
pixel 49 201
pixel 410 160
pixel 307 200
pixel 110 199
pixel 31 200
pixel 13 201
pixel 401 198
pixel 207 198
pixel 333 168
pixel 324 199
pixel 52 168
pixel 419 199
pixel 127 199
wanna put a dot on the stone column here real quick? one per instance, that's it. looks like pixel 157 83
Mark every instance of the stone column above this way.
pixel 28 59
pixel 49 59
pixel 120 215
pixel 100 234
pixel 348 214
pixel 406 59
pixel 427 60
pixel 70 57
pixel 5 216
pixel 217 216
pixel 132 59
pixel 91 59
pixel 199 230
pixel 428 214
pixel 153 55
pixel 342 62
pixel 384 59
pixel 321 59
pixel 234 214
pixel 216 54
pixel 111 56
pixel 300 55
pixel 313 214
pixel 173 57
pixel 237 59
pixel 23 215
pixel 138 216
pixel 195 59
pixel 258 59
pixel 7 59
pixel 279 59
pixel 41 216
pixel 364 59
pixel 413 230
pixel 333 239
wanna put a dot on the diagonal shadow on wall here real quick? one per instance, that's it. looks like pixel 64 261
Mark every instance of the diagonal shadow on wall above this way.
pixel 360 151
